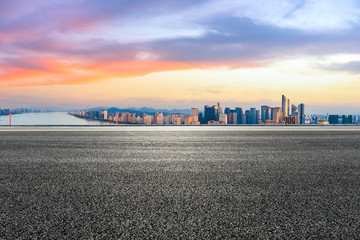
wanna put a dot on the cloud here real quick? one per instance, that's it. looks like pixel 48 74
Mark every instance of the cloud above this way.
pixel 352 67
pixel 77 41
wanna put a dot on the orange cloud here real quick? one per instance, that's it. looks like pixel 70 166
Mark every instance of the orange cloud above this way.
pixel 53 72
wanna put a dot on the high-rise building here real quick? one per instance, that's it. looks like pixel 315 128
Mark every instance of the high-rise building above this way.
pixel 194 112
pixel 223 118
pixel 247 117
pixel 253 115
pixel 347 119
pixel 239 115
pixel 333 119
pixel 276 114
pixel 188 120
pixel 285 104
pixel 209 114
pixel 159 118
pixel 301 108
pixel 218 111
pixel 232 117
pixel 105 115
pixel 294 110
pixel 257 117
pixel 227 112
pixel 265 113
pixel 201 118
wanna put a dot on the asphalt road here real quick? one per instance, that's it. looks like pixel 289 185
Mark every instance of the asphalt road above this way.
pixel 180 185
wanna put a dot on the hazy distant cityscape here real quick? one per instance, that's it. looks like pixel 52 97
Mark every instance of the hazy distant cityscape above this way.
pixel 287 114
pixel 215 115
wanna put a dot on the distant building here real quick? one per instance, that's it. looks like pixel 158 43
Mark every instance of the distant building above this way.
pixel 265 113
pixel 187 120
pixel 333 119
pixel 232 117
pixel 277 114
pixel 247 117
pixel 194 112
pixel 239 115
pixel 301 108
pixel 223 118
pixel 227 112
pixel 209 114
pixel 218 111
pixel 147 120
pixel 290 120
pixel 285 103
pixel 253 116
pixel 159 118
pixel 347 119
pixel 105 115
pixel 257 120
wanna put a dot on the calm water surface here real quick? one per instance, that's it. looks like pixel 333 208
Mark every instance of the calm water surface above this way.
pixel 58 118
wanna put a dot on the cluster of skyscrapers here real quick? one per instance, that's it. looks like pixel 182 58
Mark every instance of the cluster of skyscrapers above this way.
pixel 266 115
pixel 212 115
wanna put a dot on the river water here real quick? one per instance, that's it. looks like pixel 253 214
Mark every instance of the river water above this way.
pixel 54 118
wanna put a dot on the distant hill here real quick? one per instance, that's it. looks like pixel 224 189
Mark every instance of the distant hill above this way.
pixel 141 110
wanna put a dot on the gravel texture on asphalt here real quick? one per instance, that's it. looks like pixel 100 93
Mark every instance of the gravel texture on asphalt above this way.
pixel 180 185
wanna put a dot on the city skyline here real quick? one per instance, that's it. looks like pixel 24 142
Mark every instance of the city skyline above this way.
pixel 76 54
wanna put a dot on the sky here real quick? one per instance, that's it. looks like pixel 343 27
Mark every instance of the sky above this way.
pixel 180 54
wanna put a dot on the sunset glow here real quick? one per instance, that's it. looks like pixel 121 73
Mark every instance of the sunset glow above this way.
pixel 87 53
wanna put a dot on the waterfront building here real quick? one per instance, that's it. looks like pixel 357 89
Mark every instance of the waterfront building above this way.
pixel 201 118
pixel 194 112
pixel 252 116
pixel 265 113
pixel 290 120
pixel 209 113
pixel 218 111
pixel 147 120
pixel 285 104
pixel 247 117
pixel 159 118
pixel 239 115
pixel 301 108
pixel 347 119
pixel 232 117
pixel 177 121
pixel 227 112
pixel 257 116
pixel 105 115
pixel 188 120
pixel 277 114
pixel 223 118
pixel 333 119
pixel 167 119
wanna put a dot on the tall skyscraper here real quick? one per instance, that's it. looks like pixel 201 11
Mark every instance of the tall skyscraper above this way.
pixel 105 115
pixel 252 115
pixel 239 114
pixel 285 104
pixel 232 118
pixel 265 113
pixel 301 113
pixel 218 111
pixel 209 114
pixel 277 114
pixel 227 112
pixel 247 117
